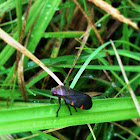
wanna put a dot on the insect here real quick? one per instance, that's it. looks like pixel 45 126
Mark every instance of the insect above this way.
pixel 72 97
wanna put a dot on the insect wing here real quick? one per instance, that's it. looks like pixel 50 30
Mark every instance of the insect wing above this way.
pixel 76 98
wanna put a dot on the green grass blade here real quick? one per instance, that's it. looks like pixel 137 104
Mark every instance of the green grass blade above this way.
pixel 42 23
pixel 41 117
pixel 76 78
pixel 19 16
pixel 68 34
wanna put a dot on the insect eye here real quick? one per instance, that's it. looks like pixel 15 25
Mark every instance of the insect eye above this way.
pixel 54 93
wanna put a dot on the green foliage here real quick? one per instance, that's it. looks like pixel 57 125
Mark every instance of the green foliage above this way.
pixel 31 116
pixel 54 25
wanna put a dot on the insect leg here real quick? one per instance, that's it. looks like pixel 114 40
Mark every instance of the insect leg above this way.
pixel 59 99
pixel 68 107
pixel 75 108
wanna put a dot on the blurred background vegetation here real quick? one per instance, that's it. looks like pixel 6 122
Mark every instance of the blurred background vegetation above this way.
pixel 54 31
